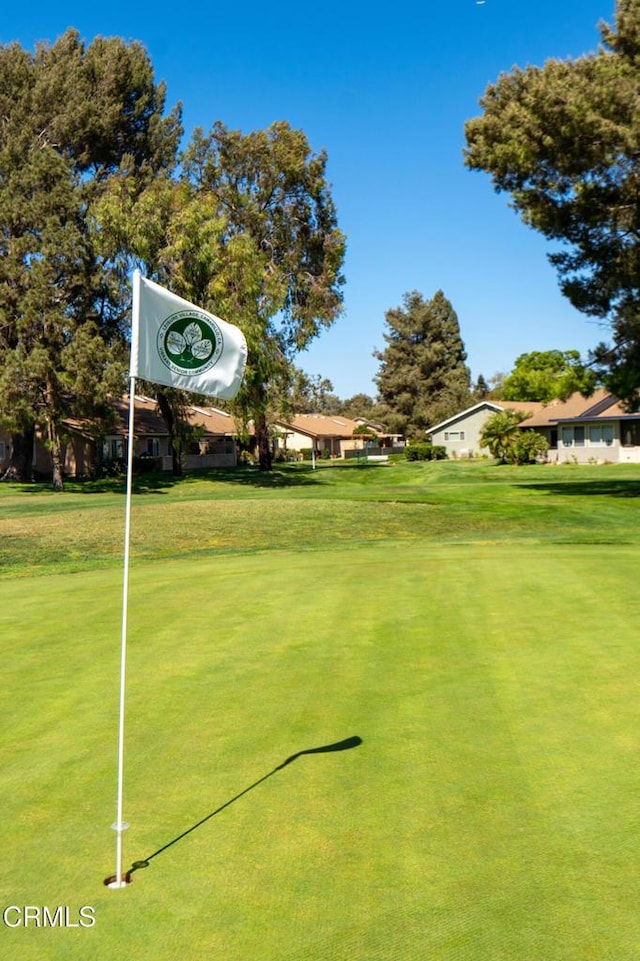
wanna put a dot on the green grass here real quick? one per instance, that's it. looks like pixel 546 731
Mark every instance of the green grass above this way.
pixel 297 508
pixel 475 626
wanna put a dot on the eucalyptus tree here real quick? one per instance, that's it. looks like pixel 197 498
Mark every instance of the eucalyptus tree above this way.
pixel 247 230
pixel 279 266
pixel 562 141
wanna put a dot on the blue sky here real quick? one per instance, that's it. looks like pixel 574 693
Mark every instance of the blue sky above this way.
pixel 385 90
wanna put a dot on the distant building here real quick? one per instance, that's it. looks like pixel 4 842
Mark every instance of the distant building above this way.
pixel 215 445
pixel 331 435
pixel 579 430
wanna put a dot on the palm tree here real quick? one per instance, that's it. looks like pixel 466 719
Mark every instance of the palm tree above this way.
pixel 500 431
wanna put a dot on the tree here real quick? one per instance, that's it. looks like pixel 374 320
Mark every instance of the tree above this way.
pixel 71 116
pixel 562 140
pixel 249 232
pixel 58 362
pixel 310 393
pixel 495 385
pixel 423 377
pixel 175 237
pixel 280 252
pixel 366 433
pixel 548 374
pixel 360 405
pixel 500 433
pixel 481 388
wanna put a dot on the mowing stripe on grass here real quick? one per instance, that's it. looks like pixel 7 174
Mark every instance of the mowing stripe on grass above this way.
pixel 490 811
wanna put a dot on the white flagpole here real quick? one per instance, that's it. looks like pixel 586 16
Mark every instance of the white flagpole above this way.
pixel 120 825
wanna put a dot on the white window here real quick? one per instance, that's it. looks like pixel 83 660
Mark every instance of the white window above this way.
pixel 601 434
pixel 113 448
pixel 567 436
pixel 454 435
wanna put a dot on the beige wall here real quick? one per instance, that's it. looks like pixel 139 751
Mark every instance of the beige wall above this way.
pixel 589 444
pixel 296 441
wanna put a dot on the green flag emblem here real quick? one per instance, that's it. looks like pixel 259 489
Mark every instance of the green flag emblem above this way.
pixel 189 342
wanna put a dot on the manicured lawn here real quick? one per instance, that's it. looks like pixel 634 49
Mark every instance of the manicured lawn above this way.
pixel 476 628
pixel 297 508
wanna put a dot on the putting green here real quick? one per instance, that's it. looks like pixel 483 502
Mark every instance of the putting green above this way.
pixel 489 813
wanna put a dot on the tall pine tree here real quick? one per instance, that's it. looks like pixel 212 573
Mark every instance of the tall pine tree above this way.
pixel 72 116
pixel 562 140
pixel 423 377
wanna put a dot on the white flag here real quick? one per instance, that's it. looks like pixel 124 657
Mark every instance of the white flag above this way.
pixel 177 344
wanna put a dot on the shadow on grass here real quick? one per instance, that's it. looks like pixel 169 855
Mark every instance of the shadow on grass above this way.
pixel 345 745
pixel 608 488
pixel 298 476
pixel 157 482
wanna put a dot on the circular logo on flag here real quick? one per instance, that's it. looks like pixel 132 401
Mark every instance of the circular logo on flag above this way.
pixel 189 342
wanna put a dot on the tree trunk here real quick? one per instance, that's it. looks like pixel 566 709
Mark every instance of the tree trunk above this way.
pixel 166 412
pixel 20 467
pixel 176 461
pixel 55 447
pixel 265 459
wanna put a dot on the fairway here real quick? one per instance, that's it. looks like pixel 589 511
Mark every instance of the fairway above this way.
pixel 475 627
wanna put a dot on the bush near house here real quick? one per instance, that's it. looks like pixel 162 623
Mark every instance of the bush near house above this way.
pixel 505 440
pixel 425 451
pixel 528 447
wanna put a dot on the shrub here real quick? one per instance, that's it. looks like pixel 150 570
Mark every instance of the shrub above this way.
pixel 422 450
pixel 528 448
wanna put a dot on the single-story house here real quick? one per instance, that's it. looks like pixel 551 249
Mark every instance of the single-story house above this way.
pixel 215 445
pixel 460 434
pixel 578 430
pixel 331 435
pixel 78 452
pixel 585 430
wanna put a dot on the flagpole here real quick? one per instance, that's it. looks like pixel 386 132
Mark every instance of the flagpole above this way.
pixel 120 825
pixel 164 312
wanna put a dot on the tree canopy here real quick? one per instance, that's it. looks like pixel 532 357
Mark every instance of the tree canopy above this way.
pixel 92 186
pixel 544 375
pixel 562 140
pixel 508 443
pixel 423 377
pixel 248 229
pixel 72 115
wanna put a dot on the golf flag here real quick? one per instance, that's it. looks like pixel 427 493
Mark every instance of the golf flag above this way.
pixel 179 345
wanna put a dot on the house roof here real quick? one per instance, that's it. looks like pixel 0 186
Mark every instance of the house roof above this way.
pixel 601 404
pixel 213 420
pixel 491 405
pixel 322 425
pixel 148 422
pixel 461 415
pixel 608 407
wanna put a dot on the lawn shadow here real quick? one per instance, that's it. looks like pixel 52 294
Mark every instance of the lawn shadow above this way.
pixel 157 482
pixel 344 745
pixel 607 488
pixel 277 478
